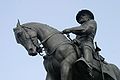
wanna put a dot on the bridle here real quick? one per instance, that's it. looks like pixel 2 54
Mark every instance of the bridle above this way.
pixel 40 49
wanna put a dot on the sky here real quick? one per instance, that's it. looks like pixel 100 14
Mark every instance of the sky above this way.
pixel 16 64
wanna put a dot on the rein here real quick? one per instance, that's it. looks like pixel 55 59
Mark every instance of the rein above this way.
pixel 42 42
pixel 54 49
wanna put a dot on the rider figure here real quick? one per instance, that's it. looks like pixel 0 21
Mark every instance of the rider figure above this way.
pixel 85 33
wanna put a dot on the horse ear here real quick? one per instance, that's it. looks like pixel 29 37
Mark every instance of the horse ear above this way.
pixel 17 31
pixel 18 23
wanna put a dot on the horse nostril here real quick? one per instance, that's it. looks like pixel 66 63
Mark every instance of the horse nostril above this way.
pixel 30 49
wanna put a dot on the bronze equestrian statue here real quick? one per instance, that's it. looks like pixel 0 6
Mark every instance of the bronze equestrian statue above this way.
pixel 66 59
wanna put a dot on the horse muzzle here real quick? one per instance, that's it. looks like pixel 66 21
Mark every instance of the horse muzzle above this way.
pixel 32 52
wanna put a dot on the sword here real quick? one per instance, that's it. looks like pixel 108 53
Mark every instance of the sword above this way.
pixel 97 50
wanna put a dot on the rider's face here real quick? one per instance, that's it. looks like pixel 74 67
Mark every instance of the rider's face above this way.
pixel 83 18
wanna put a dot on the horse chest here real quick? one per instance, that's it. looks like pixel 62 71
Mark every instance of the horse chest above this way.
pixel 51 64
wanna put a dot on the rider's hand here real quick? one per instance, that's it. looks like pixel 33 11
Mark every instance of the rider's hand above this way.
pixel 75 41
pixel 66 31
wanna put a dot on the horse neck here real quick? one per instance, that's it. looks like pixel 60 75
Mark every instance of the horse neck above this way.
pixel 45 31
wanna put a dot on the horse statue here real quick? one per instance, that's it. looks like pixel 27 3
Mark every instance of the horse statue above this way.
pixel 61 59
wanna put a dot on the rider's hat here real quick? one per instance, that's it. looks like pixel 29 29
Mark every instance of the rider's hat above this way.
pixel 84 12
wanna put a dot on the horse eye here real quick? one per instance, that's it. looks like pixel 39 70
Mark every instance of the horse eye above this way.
pixel 19 34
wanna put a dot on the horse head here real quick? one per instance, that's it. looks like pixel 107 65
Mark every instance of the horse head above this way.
pixel 27 38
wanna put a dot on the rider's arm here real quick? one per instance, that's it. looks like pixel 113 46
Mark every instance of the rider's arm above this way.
pixel 86 28
pixel 76 30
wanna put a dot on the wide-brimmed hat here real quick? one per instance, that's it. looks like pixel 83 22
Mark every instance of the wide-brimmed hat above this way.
pixel 84 12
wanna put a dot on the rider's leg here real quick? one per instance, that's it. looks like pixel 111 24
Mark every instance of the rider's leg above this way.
pixel 87 53
pixel 66 66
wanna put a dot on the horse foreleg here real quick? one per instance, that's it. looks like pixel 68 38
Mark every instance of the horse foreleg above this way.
pixel 49 77
pixel 66 66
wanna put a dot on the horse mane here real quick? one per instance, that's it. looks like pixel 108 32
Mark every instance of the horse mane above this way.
pixel 36 25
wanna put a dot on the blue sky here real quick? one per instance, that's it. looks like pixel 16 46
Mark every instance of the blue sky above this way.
pixel 16 64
